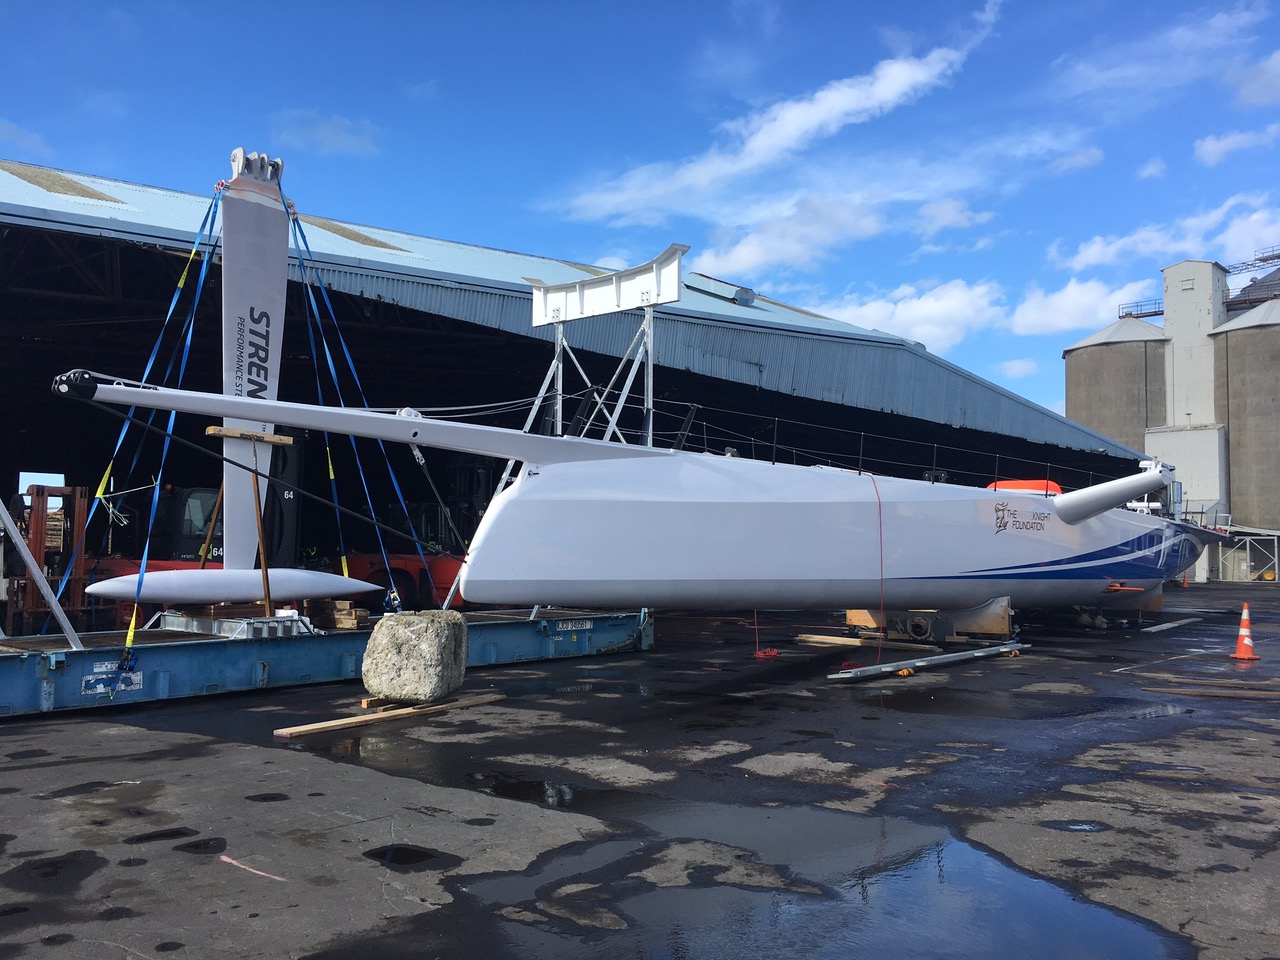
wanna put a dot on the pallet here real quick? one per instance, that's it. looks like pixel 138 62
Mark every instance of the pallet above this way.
pixel 336 614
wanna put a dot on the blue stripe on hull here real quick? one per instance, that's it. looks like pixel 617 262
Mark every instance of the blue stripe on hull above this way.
pixel 1148 557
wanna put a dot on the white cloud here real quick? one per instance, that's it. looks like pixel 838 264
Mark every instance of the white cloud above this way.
pixel 938 316
pixel 1245 234
pixel 1192 236
pixel 724 64
pixel 941 315
pixel 760 141
pixel 422 91
pixel 1081 304
pixel 798 237
pixel 1081 159
pixel 1127 74
pixel 950 214
pixel 327 135
pixel 1259 84
pixel 1212 150
pixel 1019 369
pixel 1153 168
pixel 24 140
pixel 730 58
pixel 612 263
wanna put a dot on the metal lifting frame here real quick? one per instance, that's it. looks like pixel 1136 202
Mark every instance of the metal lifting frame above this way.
pixel 656 281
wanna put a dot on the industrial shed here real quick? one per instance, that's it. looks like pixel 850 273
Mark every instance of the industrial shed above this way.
pixel 88 267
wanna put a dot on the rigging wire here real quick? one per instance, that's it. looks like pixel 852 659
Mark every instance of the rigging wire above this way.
pixel 206 452
pixel 308 268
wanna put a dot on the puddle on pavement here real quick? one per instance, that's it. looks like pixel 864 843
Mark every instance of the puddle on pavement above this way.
pixel 705 879
pixel 545 792
pixel 589 684
pixel 204 846
pixel 410 858
pixel 154 836
pixel 1075 826
pixel 1017 706
pixel 986 703
pixel 52 876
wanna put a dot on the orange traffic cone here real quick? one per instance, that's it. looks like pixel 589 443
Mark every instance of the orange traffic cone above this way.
pixel 1244 644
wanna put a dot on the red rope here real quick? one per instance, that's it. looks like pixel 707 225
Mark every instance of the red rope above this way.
pixel 884 622
pixel 767 652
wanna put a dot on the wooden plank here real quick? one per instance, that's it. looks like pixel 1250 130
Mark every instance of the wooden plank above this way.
pixel 1261 683
pixel 277 439
pixel 421 710
pixel 1216 692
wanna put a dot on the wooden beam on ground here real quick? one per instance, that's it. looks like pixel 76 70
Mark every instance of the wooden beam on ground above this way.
pixel 420 710
pixel 1259 684
pixel 1234 693
pixel 822 640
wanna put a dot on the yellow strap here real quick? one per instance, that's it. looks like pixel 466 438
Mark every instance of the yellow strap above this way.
pixel 183 279
pixel 133 623
pixel 102 487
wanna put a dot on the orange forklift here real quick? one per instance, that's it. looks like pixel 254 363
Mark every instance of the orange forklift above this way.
pixel 50 536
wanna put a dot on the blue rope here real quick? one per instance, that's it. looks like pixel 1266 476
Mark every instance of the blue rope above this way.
pixel 168 438
pixel 309 268
pixel 314 314
pixel 333 483
pixel 206 224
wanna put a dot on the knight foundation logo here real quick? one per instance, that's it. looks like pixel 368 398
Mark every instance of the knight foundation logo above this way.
pixel 1013 518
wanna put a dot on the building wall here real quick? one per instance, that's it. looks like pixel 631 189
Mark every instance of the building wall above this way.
pixel 1199 457
pixel 1246 374
pixel 1195 293
pixel 1118 389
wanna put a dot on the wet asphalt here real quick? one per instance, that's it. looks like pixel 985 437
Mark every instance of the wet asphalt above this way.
pixel 1108 793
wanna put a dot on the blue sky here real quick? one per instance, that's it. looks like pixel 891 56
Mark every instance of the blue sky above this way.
pixel 989 178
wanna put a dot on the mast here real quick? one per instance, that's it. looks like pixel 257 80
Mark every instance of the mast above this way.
pixel 255 263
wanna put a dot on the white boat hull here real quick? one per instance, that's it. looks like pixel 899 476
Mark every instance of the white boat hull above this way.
pixel 704 531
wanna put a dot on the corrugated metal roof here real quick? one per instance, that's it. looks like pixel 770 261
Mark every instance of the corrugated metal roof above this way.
pixel 714 330
pixel 1124 330
pixel 1263 315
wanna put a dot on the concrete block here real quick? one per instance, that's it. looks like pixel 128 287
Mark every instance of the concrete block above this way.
pixel 416 657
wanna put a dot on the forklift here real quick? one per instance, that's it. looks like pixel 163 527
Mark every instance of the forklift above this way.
pixel 48 536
